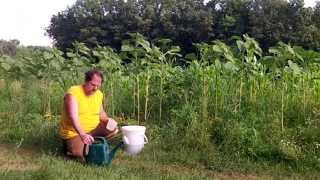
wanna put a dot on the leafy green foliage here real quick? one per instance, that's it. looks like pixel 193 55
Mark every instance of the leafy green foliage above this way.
pixel 186 22
pixel 249 105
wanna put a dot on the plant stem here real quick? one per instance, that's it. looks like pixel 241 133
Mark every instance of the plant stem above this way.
pixel 146 96
pixel 282 106
pixel 240 93
pixel 138 99
pixel 216 96
pixel 134 97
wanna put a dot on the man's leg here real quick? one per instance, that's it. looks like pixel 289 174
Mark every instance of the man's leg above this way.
pixel 76 148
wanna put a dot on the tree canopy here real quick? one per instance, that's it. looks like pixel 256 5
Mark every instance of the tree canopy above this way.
pixel 185 22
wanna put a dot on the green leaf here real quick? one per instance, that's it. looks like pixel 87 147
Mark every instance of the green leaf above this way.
pixel 47 55
pixel 231 66
pixel 70 54
pixel 217 48
pixel 127 48
pixel 294 67
pixel 96 53
pixel 145 44
pixel 5 66
pixel 191 56
pixel 55 65
pixel 217 64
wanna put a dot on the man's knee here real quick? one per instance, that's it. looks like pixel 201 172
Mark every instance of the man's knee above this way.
pixel 76 148
pixel 77 152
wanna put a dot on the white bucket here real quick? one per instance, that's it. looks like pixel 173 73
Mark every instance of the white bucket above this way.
pixel 134 138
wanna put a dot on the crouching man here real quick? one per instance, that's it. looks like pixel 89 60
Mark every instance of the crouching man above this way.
pixel 83 116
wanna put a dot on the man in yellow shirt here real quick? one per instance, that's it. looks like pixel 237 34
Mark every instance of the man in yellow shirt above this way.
pixel 83 116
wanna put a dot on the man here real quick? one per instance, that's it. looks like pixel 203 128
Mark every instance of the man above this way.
pixel 83 116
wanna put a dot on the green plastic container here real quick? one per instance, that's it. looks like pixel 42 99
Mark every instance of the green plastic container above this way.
pixel 100 152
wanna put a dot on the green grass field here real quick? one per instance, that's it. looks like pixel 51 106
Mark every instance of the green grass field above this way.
pixel 230 114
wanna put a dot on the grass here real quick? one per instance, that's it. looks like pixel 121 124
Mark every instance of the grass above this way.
pixel 25 164
pixel 266 134
pixel 28 162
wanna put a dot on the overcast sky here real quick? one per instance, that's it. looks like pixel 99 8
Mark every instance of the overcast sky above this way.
pixel 26 20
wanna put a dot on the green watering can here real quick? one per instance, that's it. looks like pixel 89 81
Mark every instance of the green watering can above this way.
pixel 100 152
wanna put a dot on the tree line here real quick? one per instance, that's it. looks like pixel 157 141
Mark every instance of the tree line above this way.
pixel 185 22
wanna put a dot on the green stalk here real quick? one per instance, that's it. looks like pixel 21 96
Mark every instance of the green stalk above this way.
pixel 48 109
pixel 204 98
pixel 282 106
pixel 304 98
pixel 240 93
pixel 160 108
pixel 138 99
pixel 146 96
pixel 112 101
pixel 161 91
pixel 134 97
pixel 216 95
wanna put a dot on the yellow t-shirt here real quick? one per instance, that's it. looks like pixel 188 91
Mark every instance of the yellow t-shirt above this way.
pixel 88 109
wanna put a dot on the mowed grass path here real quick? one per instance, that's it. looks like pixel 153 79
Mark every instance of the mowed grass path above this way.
pixel 30 163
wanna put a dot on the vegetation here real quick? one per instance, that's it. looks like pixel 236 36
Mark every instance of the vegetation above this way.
pixel 185 22
pixel 232 108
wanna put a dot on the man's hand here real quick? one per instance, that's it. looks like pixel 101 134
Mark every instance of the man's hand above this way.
pixel 86 138
pixel 112 125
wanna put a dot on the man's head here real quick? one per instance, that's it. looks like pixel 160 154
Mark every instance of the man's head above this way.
pixel 93 81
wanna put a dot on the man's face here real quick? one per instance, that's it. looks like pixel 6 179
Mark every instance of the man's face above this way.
pixel 92 86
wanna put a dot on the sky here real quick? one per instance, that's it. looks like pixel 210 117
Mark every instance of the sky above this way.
pixel 26 20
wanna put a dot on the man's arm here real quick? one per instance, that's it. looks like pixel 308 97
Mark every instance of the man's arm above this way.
pixel 72 111
pixel 103 115
pixel 112 125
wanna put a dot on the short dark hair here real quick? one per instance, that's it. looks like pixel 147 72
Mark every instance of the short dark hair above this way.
pixel 89 75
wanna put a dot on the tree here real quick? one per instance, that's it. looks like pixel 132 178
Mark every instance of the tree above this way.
pixel 185 22
pixel 107 22
pixel 267 21
pixel 9 47
pixel 230 18
pixel 316 14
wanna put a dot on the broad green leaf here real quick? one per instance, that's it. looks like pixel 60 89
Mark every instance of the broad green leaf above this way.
pixel 55 65
pixel 96 53
pixel 6 66
pixel 70 54
pixel 231 66
pixel 216 48
pixel 191 56
pixel 127 48
pixel 294 67
pixel 217 64
pixel 47 55
pixel 145 44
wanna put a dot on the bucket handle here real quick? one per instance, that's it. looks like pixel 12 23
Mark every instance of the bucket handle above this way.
pixel 126 140
pixel 146 139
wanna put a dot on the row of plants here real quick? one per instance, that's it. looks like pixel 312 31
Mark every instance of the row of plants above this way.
pixel 235 100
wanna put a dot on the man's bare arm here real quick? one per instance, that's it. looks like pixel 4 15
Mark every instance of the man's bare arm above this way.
pixel 112 125
pixel 73 114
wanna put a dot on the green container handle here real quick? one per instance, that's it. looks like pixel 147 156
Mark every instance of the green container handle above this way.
pixel 97 139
